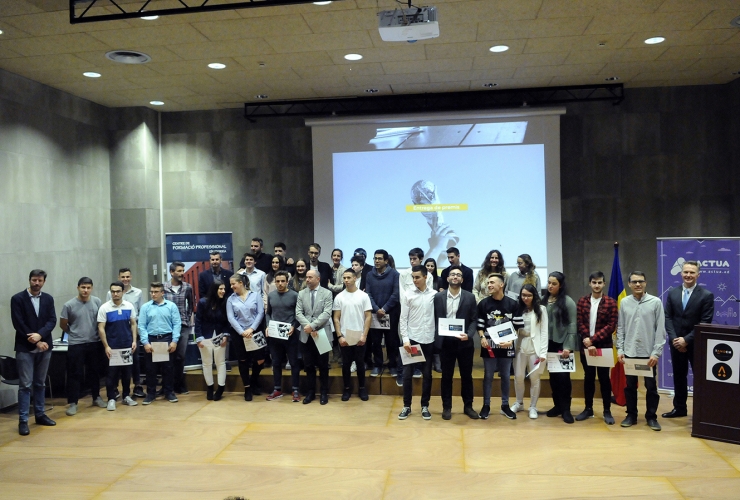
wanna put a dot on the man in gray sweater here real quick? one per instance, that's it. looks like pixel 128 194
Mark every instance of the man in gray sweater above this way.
pixel 641 334
pixel 281 308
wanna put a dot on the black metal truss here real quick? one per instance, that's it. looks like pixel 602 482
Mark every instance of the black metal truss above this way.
pixel 80 11
pixel 449 101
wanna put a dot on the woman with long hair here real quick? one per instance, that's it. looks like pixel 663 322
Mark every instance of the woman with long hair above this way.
pixel 492 264
pixel 277 264
pixel 336 284
pixel 531 348
pixel 245 311
pixel 212 336
pixel 561 333
pixel 525 274
pixel 299 280
pixel 431 266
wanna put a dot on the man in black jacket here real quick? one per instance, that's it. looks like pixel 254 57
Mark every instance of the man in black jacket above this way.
pixel 324 269
pixel 685 307
pixel 453 255
pixel 34 318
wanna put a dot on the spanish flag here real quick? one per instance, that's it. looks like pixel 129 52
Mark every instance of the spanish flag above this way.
pixel 617 292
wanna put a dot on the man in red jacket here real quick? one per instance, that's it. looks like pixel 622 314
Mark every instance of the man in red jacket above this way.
pixel 597 321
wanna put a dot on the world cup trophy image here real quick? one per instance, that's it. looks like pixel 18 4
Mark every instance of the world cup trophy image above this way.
pixel 425 192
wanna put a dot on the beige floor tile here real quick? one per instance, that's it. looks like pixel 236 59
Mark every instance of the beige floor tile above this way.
pixel 716 488
pixel 210 481
pixel 728 451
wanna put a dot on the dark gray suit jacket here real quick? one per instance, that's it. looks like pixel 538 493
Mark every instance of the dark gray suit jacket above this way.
pixel 466 311
pixel 699 309
pixel 25 320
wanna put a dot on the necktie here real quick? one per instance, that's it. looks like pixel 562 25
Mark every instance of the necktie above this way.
pixel 313 297
pixel 685 298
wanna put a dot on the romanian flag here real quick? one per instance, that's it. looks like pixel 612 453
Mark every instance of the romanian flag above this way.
pixel 617 292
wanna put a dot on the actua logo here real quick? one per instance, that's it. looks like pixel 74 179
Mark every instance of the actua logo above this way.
pixel 714 263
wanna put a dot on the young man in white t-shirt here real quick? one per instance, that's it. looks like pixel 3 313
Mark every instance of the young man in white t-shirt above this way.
pixel 352 312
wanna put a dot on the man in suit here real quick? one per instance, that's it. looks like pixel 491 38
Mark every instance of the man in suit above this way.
pixel 456 303
pixel 34 318
pixel 324 269
pixel 686 307
pixel 216 272
pixel 313 311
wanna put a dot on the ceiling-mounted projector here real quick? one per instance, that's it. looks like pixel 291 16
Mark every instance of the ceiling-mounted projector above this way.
pixel 408 25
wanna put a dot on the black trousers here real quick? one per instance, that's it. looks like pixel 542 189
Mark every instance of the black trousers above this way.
pixel 312 360
pixel 560 383
pixel 116 373
pixel 84 361
pixel 426 370
pixel 279 350
pixel 247 360
pixel 681 362
pixel 352 353
pixel 652 397
pixel 464 358
pixel 589 383
pixel 168 383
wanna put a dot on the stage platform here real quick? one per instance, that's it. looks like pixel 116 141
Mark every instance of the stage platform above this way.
pixel 385 384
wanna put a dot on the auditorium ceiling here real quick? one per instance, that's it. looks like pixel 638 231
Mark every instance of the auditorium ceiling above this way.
pixel 297 52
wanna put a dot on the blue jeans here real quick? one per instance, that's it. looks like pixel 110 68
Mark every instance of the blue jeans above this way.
pixel 32 368
pixel 491 366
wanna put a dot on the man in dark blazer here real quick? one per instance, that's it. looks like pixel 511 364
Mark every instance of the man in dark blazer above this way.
pixel 685 307
pixel 324 269
pixel 456 303
pixel 34 318
pixel 216 272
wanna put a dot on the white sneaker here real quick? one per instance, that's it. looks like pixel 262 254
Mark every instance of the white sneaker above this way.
pixel 72 410
pixel 533 413
pixel 129 402
pixel 353 368
pixel 111 405
pixel 517 407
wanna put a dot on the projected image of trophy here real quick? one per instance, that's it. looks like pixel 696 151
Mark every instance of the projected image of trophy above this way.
pixel 442 236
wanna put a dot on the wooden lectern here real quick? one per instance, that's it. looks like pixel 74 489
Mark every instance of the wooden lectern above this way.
pixel 716 383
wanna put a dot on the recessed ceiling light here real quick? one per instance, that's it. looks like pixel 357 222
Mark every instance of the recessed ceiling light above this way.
pixel 371 91
pixel 654 40
pixel 490 85
pixel 736 22
pixel 611 78
pixel 128 56
pixel 601 44
pixel 1 32
pixel 321 3
pixel 499 48
pixel 156 103
pixel 149 18
pixel 353 57
pixel 216 66
pixel 261 96
pixel 91 74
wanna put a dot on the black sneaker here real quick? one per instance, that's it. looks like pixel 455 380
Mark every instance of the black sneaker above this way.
pixel 139 392
pixel 149 399
pixel 425 413
pixel 470 412
pixel 247 394
pixel 446 413
pixel 653 424
pixel 587 413
pixel 608 417
pixel 506 411
pixel 628 421
pixel 172 398
pixel 554 412
pixel 568 417
pixel 363 394
pixel 346 395
pixel 404 413
pixel 485 412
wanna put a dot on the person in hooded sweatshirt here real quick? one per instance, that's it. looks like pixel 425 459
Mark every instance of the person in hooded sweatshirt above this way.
pixel 382 287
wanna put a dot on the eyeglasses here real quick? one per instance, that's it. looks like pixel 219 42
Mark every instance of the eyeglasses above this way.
pixel 456 275
pixel 637 282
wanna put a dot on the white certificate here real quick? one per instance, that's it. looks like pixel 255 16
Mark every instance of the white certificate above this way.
pixel 384 323
pixel 502 333
pixel 556 363
pixel 451 327
pixel 121 357
pixel 278 330
pixel 537 364
pixel 637 367
pixel 322 340
pixel 352 337
pixel 160 353
pixel 416 356
pixel 258 341
pixel 604 357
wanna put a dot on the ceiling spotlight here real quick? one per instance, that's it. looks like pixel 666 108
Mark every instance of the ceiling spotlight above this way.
pixel 149 18
pixel 611 79
pixel 353 57
pixel 156 103
pixel 1 32
pixel 261 96
pixel 91 74
pixel 490 85
pixel 371 91
pixel 321 3
pixel 499 48
pixel 654 40
pixel 601 44
pixel 216 66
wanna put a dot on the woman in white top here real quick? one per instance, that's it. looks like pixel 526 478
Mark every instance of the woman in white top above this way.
pixel 531 348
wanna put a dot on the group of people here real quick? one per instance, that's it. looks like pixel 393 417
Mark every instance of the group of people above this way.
pixel 299 311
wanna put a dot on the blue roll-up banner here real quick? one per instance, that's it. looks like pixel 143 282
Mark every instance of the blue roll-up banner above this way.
pixel 194 250
pixel 720 274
